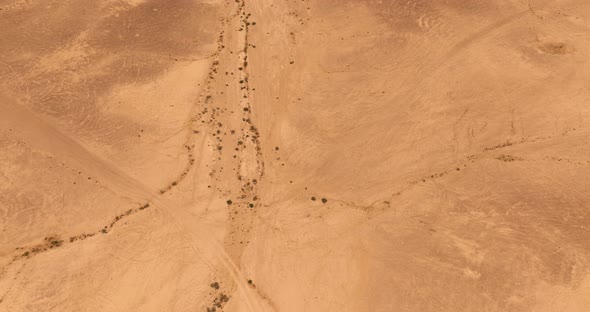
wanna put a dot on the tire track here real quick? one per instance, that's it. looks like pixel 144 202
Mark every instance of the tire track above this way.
pixel 44 136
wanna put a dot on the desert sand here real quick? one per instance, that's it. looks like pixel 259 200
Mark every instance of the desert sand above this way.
pixel 280 155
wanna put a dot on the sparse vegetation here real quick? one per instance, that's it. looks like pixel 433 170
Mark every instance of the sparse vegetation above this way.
pixel 218 302
pixel 508 158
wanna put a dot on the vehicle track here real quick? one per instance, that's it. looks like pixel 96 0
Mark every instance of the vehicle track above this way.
pixel 42 135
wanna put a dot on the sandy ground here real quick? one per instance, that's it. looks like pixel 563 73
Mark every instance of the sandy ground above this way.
pixel 311 155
